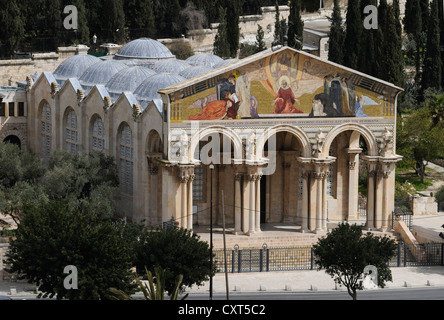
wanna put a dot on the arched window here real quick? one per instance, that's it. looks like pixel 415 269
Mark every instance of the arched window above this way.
pixel 71 134
pixel 98 135
pixel 46 129
pixel 126 160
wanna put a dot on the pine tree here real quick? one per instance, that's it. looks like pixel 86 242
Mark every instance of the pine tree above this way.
pixel 432 74
pixel 221 46
pixel 353 34
pixel 337 36
pixel 295 25
pixel 12 30
pixel 367 55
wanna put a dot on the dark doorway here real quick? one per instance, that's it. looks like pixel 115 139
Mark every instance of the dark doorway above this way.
pixel 263 198
pixel 13 140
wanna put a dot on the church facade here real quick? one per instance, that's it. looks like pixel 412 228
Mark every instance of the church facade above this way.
pixel 279 137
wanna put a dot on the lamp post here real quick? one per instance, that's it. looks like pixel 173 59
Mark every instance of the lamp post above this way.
pixel 211 231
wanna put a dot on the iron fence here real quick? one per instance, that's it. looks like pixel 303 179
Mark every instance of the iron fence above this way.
pixel 302 258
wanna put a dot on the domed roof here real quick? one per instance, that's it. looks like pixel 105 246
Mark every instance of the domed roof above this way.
pixel 224 63
pixel 74 67
pixel 100 73
pixel 171 66
pixel 147 90
pixel 127 79
pixel 194 71
pixel 145 48
pixel 204 59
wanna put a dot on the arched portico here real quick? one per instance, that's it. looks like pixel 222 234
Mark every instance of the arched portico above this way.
pixel 236 141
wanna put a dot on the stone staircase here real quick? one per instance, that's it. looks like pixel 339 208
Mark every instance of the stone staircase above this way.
pixel 273 237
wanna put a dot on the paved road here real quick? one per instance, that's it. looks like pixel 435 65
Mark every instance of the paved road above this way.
pixel 388 294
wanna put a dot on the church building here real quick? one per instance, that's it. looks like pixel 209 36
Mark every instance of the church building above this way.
pixel 281 136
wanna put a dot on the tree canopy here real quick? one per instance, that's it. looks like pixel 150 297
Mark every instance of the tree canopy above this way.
pixel 345 253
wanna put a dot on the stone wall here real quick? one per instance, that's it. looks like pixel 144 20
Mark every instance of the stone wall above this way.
pixel 424 206
pixel 15 70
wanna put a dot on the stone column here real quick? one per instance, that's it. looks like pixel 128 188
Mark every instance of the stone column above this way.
pixel 183 210
pixel 388 184
pixel 305 162
pixel 245 204
pixel 190 202
pixel 371 197
pixel 319 176
pixel 258 203
pixel 353 176
pixel 237 203
pixel 252 210
pixel 378 197
pixel 305 177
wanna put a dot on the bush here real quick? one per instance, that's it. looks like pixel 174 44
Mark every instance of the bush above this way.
pixel 439 195
pixel 177 251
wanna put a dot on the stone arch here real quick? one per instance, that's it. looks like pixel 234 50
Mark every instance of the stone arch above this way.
pixel 154 142
pixel 13 139
pixel 45 128
pixel 365 132
pixel 96 141
pixel 70 130
pixel 125 157
pixel 233 136
pixel 14 132
pixel 299 134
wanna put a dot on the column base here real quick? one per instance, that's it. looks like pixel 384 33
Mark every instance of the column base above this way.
pixel 319 231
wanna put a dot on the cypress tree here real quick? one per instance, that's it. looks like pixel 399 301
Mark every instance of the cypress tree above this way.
pixel 441 24
pixel 140 18
pixel 295 25
pixel 432 74
pixel 113 20
pixel 221 46
pixel 392 67
pixel 260 44
pixel 353 34
pixel 233 8
pixel 337 36
pixel 408 14
pixel 12 27
pixel 367 55
pixel 278 31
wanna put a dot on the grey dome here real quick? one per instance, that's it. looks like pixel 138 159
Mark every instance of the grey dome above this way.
pixel 74 67
pixel 194 71
pixel 204 59
pixel 127 79
pixel 171 66
pixel 147 91
pixel 224 63
pixel 144 48
pixel 100 73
